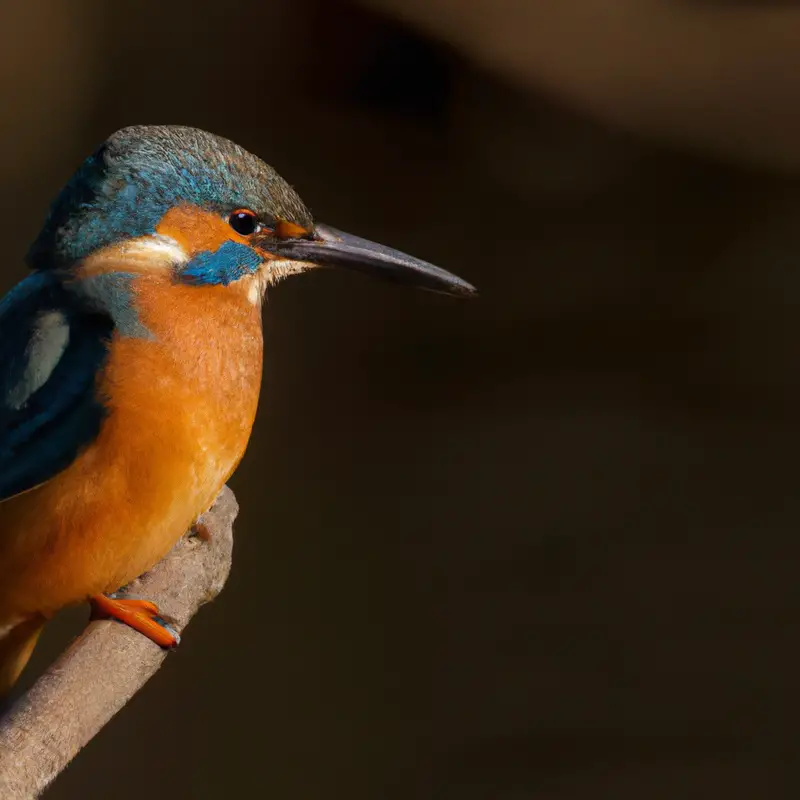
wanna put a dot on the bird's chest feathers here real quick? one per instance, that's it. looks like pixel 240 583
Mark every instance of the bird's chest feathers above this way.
pixel 192 383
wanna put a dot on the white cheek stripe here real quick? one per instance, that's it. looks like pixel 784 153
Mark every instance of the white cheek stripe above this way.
pixel 164 247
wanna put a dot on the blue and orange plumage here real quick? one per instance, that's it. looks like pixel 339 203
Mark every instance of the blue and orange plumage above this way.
pixel 131 363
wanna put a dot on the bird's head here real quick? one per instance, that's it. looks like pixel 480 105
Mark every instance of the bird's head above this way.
pixel 201 209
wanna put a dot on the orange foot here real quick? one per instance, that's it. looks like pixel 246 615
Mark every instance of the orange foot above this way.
pixel 141 615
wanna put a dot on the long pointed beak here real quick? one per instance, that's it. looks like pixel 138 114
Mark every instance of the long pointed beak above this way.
pixel 333 248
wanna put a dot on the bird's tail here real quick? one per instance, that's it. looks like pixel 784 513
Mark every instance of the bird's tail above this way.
pixel 16 646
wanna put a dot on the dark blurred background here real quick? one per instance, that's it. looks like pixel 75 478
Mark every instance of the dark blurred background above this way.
pixel 540 545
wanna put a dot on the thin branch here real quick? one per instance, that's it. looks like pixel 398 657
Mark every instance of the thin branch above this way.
pixel 109 662
pixel 703 69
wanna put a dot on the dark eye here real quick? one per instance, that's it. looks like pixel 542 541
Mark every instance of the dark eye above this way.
pixel 244 222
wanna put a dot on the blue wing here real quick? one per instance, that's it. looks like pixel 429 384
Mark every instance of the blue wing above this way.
pixel 50 353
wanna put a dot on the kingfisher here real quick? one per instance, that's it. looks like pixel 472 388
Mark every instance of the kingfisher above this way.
pixel 131 362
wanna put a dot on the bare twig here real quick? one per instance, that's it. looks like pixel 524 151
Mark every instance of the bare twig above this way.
pixel 703 73
pixel 109 663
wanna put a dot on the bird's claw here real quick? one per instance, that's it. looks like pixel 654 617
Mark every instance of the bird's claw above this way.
pixel 141 615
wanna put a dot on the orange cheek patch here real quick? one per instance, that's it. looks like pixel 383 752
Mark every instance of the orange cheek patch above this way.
pixel 196 230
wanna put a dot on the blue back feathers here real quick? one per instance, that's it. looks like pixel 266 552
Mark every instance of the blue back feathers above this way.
pixel 111 293
pixel 51 352
pixel 125 188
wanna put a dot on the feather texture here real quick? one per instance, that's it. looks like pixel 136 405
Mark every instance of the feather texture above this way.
pixel 51 353
pixel 125 188
pixel 178 409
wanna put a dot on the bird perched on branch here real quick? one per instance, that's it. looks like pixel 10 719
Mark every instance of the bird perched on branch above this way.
pixel 131 364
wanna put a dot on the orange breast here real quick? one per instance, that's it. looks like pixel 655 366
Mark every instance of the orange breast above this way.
pixel 181 407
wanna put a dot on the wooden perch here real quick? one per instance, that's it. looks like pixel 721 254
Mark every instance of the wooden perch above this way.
pixel 109 662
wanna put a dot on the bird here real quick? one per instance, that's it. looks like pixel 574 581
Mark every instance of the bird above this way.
pixel 131 361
